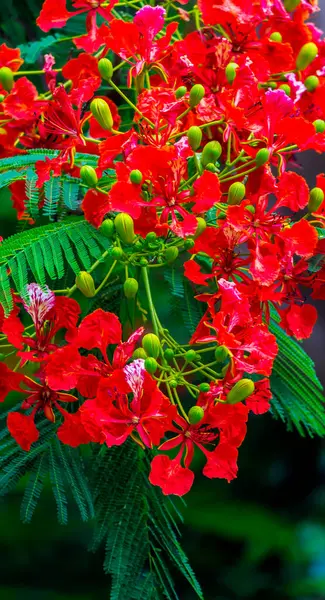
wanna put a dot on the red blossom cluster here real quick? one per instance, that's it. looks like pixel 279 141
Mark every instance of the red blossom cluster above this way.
pixel 225 96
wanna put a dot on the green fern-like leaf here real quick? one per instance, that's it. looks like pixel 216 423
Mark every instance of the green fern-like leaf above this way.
pixel 58 486
pixel 34 488
pixel 52 197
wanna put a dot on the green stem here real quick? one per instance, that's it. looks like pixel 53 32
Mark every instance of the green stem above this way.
pixel 130 103
pixel 106 277
pixel 149 298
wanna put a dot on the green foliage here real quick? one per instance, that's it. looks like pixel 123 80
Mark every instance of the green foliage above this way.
pixel 182 302
pixel 44 252
pixel 137 525
pixel 31 51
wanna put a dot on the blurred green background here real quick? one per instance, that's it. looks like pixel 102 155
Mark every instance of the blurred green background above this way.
pixel 259 538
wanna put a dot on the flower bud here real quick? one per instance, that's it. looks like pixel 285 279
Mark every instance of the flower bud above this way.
pixel 85 284
pixel 2 357
pixel 210 167
pixel 311 83
pixel 307 54
pixel 190 355
pixel 107 228
pixel 221 353
pixel 151 345
pixel 130 287
pixel 150 365
pixel 262 157
pixel 169 354
pixel 195 414
pixel 241 390
pixel 171 253
pixel 6 78
pixel 230 72
pixel 286 88
pixel 236 193
pixel 102 113
pixel 271 85
pixel 143 261
pixel 124 227
pixel 136 176
pixel 201 226
pixel 204 387
pixel 319 125
pixel 211 153
pixel 139 353
pixel 117 253
pixel 194 136
pixel 250 209
pixel 2 97
pixel 291 5
pixel 105 68
pixel 180 92
pixel 89 176
pixel 197 92
pixel 276 36
pixel 316 197
pixel 188 244
pixel 173 383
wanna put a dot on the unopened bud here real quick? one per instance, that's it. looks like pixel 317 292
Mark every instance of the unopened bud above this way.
pixel 117 253
pixel 102 113
pixel 204 387
pixel 189 243
pixel 250 209
pixel 169 354
pixel 195 414
pixel 311 83
pixel 319 125
pixel 221 354
pixel 262 157
pixel 201 226
pixel 105 68
pixel 271 85
pixel 211 153
pixel 307 54
pixel 276 36
pixel 171 253
pixel 316 197
pixel 85 284
pixel 150 365
pixel 89 176
pixel 130 287
pixel 190 355
pixel 236 193
pixel 151 345
pixel 197 93
pixel 241 390
pixel 291 5
pixel 136 176
pixel 139 353
pixel 180 92
pixel 107 228
pixel 125 227
pixel 230 72
pixel 6 78
pixel 286 88
pixel 194 136
pixel 210 167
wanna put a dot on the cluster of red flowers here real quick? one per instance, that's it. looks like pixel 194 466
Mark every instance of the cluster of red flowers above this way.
pixel 208 166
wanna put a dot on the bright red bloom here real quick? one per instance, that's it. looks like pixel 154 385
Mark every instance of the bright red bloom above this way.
pixel 23 429
pixel 10 57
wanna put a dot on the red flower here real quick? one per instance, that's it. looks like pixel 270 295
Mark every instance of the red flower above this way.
pixel 22 429
pixel 10 57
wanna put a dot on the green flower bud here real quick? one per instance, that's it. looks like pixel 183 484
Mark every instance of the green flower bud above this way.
pixel 211 167
pixel 194 136
pixel 211 153
pixel 276 36
pixel 102 113
pixel 236 193
pixel 107 228
pixel 150 365
pixel 136 176
pixel 89 176
pixel 250 208
pixel 262 157
pixel 196 94
pixel 171 253
pixel 311 83
pixel 2 97
pixel 286 88
pixel 169 354
pixel 180 92
pixel 173 383
pixel 105 68
pixel 201 226
pixel 124 227
pixel 130 287
pixel 85 284
pixel 319 125
pixel 139 353
pixel 151 237
pixel 117 253
pixel 195 415
pixel 190 355
pixel 189 243
pixel 204 387
pixel 272 85
pixel 291 5
pixel 307 54
pixel 143 262
pixel 316 197
pixel 221 353
pixel 241 390
pixel 151 345
pixel 230 72
pixel 2 357
pixel 6 78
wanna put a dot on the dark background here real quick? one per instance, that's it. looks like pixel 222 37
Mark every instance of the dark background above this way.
pixel 261 537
